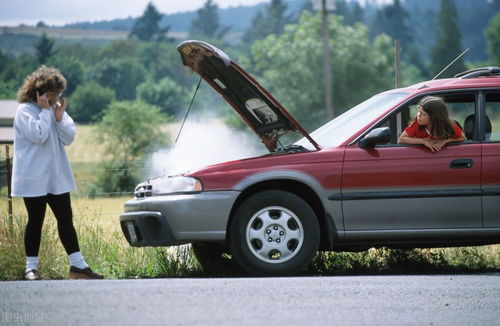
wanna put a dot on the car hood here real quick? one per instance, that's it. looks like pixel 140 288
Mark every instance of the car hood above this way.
pixel 260 111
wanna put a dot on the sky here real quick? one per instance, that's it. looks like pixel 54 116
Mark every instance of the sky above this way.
pixel 57 12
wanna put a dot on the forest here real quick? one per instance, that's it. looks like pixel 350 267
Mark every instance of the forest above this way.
pixel 280 45
pixel 136 81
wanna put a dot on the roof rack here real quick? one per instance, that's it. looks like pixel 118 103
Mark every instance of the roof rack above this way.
pixel 479 72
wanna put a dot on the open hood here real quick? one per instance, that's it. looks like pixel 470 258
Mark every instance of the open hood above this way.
pixel 260 111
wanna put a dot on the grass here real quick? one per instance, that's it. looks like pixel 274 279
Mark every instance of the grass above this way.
pixel 104 248
pixel 390 261
pixel 107 251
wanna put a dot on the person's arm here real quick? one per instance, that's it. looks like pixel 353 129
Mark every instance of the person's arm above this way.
pixel 407 139
pixel 35 126
pixel 66 129
pixel 457 137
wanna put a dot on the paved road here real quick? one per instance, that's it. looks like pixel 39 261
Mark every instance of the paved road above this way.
pixel 343 300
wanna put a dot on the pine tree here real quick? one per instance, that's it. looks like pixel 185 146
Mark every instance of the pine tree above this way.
pixel 448 41
pixel 44 48
pixel 206 23
pixel 357 14
pixel 270 21
pixel 492 34
pixel 392 20
pixel 147 27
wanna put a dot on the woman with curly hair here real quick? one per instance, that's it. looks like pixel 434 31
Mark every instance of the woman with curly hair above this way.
pixel 432 126
pixel 41 171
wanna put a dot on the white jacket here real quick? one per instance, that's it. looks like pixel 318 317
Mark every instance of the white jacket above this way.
pixel 40 163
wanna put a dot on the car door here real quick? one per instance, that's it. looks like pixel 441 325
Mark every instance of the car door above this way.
pixel 490 179
pixel 408 187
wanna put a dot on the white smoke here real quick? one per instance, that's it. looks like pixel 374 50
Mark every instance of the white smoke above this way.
pixel 204 141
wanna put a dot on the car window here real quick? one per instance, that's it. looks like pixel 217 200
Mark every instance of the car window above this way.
pixel 462 107
pixel 342 127
pixel 492 121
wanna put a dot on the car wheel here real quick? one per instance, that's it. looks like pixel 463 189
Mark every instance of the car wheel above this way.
pixel 213 258
pixel 274 232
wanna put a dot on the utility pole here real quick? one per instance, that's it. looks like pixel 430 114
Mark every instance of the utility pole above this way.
pixel 397 63
pixel 325 6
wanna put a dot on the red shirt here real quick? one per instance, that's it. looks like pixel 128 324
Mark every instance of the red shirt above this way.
pixel 414 130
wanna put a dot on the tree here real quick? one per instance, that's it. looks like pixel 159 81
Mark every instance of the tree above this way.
pixel 14 74
pixel 206 23
pixel 392 20
pixel 89 101
pixel 357 15
pixel 4 61
pixel 129 132
pixel 270 21
pixel 44 48
pixel 71 67
pixel 122 75
pixel 492 35
pixel 448 41
pixel 290 66
pixel 131 129
pixel 165 94
pixel 160 60
pixel 147 27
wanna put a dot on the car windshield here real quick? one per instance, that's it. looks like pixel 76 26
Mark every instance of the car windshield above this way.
pixel 342 127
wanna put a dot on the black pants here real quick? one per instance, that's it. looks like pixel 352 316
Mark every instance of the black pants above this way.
pixel 61 207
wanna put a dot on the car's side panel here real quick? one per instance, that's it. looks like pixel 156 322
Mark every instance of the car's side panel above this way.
pixel 409 187
pixel 422 237
pixel 323 166
pixel 490 182
pixel 333 209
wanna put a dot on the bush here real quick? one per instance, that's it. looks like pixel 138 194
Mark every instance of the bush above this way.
pixel 166 94
pixel 89 101
pixel 130 131
pixel 122 75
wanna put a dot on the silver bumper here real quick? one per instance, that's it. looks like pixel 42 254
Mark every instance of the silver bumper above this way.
pixel 176 219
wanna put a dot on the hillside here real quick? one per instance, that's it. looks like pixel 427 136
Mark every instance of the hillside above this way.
pixel 473 19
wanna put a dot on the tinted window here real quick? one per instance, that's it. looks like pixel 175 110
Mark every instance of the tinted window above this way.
pixel 492 123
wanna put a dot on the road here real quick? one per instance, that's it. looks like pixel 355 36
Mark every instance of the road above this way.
pixel 340 300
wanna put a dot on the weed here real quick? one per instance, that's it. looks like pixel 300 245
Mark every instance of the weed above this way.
pixel 106 250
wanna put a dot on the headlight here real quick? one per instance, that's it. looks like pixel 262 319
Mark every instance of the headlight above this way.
pixel 176 184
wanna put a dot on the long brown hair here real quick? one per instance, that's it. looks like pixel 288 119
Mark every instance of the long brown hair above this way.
pixel 44 79
pixel 435 107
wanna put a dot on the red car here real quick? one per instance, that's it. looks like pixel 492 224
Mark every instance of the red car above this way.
pixel 346 186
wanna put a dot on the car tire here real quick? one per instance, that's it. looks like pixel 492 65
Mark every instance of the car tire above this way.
pixel 274 232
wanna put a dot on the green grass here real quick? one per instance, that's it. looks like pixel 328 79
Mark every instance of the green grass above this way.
pixel 106 250
pixel 390 261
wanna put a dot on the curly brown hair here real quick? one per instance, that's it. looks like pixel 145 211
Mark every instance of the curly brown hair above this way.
pixel 44 79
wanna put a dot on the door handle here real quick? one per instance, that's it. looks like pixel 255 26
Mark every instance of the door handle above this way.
pixel 463 163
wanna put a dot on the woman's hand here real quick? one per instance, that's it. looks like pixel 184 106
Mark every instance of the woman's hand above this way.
pixel 42 101
pixel 435 145
pixel 431 144
pixel 439 144
pixel 59 109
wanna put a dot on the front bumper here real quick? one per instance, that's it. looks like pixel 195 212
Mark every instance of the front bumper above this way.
pixel 146 229
pixel 176 219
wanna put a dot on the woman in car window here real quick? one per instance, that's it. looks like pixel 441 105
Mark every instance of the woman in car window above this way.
pixel 432 126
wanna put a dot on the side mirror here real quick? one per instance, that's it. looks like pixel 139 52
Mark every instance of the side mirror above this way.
pixel 376 136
